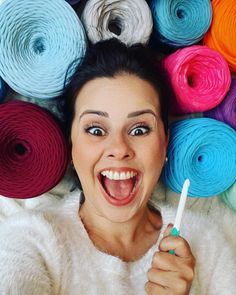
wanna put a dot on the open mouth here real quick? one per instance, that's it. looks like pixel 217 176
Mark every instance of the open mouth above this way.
pixel 120 187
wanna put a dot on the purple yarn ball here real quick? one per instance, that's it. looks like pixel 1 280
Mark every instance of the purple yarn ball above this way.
pixel 226 110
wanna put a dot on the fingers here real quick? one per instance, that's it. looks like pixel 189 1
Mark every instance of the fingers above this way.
pixel 170 263
pixel 168 230
pixel 163 282
pixel 171 274
pixel 183 258
pixel 153 289
pixel 178 244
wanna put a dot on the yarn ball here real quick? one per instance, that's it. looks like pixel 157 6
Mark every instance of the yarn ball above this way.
pixel 180 23
pixel 204 151
pixel 33 151
pixel 222 33
pixel 39 41
pixel 130 21
pixel 229 197
pixel 200 78
pixel 226 110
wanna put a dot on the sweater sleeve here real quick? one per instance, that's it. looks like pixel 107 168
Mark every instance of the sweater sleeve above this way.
pixel 27 267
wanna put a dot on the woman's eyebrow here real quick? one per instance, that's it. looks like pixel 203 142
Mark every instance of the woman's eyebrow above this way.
pixel 98 113
pixel 141 112
pixel 130 115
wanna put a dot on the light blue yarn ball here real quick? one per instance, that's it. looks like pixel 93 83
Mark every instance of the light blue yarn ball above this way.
pixel 203 150
pixel 179 23
pixel 39 41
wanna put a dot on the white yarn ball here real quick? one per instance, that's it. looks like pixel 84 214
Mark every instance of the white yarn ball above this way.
pixel 128 20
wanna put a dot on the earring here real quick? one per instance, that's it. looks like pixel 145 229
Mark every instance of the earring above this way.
pixel 166 159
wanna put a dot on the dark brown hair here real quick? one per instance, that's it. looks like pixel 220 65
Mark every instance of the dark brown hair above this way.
pixel 110 58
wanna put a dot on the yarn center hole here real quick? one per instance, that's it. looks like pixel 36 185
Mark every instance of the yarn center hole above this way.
pixel 39 46
pixel 180 13
pixel 20 149
pixel 190 80
pixel 200 158
pixel 115 26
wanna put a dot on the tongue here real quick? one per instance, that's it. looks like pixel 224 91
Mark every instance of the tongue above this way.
pixel 118 188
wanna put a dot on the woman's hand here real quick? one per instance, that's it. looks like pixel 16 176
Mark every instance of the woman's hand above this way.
pixel 171 274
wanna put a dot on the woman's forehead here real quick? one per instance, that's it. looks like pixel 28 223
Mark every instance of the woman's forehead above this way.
pixel 124 90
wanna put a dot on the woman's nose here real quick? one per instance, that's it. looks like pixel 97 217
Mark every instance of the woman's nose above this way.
pixel 119 148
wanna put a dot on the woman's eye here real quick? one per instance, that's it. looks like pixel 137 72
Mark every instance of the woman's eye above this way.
pixel 140 130
pixel 96 131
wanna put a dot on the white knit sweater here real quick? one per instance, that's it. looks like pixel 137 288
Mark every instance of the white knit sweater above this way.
pixel 50 253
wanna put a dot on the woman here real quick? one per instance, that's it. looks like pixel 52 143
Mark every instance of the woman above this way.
pixel 111 239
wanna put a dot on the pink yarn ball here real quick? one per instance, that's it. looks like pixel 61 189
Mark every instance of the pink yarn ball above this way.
pixel 200 78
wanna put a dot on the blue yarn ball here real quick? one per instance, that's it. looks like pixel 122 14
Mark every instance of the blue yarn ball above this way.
pixel 179 23
pixel 204 151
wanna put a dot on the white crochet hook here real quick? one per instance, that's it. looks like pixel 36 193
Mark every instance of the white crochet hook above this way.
pixel 183 197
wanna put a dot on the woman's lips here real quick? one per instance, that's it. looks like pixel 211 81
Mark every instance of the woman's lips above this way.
pixel 127 181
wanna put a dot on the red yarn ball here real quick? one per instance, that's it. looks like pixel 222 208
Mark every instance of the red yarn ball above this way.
pixel 33 151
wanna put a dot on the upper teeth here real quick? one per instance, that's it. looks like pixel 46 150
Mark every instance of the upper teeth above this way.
pixel 118 175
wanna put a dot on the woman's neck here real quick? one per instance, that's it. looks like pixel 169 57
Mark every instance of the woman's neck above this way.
pixel 128 240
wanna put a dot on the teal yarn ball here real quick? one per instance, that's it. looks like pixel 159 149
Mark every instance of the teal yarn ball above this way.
pixel 229 197
pixel 179 23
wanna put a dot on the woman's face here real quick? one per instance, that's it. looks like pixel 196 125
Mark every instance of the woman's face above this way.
pixel 118 145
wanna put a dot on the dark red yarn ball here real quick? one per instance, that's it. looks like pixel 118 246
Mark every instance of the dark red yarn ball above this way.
pixel 33 151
